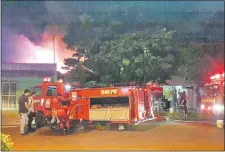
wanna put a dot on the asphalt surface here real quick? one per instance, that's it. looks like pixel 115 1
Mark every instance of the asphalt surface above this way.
pixel 148 136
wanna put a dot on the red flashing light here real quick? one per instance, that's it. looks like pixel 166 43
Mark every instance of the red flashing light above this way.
pixel 212 77
pixel 217 76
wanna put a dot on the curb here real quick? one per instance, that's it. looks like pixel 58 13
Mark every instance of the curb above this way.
pixel 145 120
pixel 199 122
pixel 9 126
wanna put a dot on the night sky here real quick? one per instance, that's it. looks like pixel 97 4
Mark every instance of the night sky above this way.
pixel 28 27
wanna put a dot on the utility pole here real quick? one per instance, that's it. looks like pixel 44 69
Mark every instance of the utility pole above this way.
pixel 54 46
pixel 55 75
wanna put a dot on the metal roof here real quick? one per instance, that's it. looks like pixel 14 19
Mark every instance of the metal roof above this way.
pixel 27 67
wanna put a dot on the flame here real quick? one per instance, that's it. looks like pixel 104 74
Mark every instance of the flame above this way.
pixel 25 51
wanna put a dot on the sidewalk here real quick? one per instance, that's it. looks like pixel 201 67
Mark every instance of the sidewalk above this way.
pixel 200 122
pixel 194 117
pixel 10 118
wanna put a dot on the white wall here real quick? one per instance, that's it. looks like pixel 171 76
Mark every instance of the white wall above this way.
pixel 180 84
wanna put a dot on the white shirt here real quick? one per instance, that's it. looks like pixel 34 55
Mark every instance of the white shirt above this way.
pixel 31 105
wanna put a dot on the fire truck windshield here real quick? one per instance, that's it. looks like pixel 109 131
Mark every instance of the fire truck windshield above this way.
pixel 211 90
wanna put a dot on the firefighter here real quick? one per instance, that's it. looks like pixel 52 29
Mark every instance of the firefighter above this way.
pixel 54 109
pixel 31 113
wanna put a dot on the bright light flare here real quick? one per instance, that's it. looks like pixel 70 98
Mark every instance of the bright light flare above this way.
pixel 60 80
pixel 44 56
pixel 202 106
pixel 67 87
pixel 47 79
pixel 212 77
pixel 218 107
pixel 217 76
pixel 125 90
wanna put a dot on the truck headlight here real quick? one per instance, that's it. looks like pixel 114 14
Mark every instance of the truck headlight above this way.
pixel 202 106
pixel 218 107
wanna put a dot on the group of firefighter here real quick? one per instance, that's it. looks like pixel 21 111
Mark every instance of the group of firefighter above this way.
pixel 27 113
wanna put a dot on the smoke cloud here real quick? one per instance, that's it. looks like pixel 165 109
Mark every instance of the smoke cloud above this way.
pixel 28 27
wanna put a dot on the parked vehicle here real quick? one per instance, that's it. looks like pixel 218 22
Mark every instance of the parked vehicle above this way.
pixel 212 100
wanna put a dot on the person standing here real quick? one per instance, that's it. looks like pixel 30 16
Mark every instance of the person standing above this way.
pixel 184 103
pixel 23 111
pixel 174 105
pixel 31 113
pixel 180 101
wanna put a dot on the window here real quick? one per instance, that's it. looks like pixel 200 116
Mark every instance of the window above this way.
pixel 51 91
pixel 38 91
pixel 8 94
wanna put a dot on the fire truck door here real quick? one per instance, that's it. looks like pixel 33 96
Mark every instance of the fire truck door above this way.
pixel 141 104
pixel 38 99
pixel 51 95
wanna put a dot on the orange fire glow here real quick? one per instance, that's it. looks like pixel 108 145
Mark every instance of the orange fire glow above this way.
pixel 26 51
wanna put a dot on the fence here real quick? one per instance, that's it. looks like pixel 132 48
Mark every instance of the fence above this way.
pixel 9 95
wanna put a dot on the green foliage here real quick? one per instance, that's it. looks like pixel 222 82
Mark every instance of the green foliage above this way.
pixel 140 56
pixel 189 60
pixel 6 142
pixel 118 52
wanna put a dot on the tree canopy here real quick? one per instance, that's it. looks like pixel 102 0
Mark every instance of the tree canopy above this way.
pixel 130 51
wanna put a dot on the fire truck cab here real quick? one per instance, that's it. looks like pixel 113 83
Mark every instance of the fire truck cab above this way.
pixel 212 100
pixel 46 93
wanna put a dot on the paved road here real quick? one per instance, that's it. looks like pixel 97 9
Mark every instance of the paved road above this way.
pixel 152 136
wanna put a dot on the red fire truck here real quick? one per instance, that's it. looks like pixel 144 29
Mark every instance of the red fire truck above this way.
pixel 116 105
pixel 112 105
pixel 46 94
pixel 212 100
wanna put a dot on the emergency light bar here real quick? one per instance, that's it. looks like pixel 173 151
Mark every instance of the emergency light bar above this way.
pixel 60 80
pixel 217 76
pixel 47 79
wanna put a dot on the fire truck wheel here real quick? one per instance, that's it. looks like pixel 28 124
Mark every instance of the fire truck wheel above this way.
pixel 128 127
pixel 40 120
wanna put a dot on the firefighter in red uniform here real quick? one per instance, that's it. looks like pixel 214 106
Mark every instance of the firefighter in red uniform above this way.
pixel 56 105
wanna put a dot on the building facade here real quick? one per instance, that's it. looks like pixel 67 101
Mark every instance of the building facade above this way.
pixel 16 77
